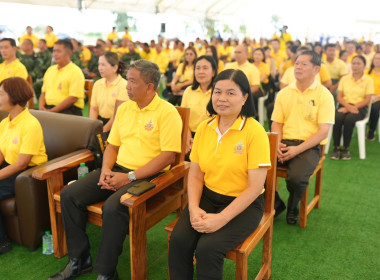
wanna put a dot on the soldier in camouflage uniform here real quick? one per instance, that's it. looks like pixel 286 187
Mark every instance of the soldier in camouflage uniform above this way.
pixel 92 71
pixel 32 64
pixel 45 57
pixel 131 56
pixel 77 56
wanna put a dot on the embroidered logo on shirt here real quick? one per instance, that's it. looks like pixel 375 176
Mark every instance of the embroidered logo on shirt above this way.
pixel 60 86
pixel 239 148
pixel 15 140
pixel 149 125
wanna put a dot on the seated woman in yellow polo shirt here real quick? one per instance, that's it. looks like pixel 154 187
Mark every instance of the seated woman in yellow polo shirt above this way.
pixel 211 51
pixel 21 141
pixel 110 91
pixel 354 95
pixel 229 162
pixel 197 96
pixel 183 76
pixel 374 73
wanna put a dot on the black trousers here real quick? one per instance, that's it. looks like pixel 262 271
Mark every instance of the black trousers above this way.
pixel 346 123
pixel 299 171
pixel 73 110
pixel 7 189
pixel 374 115
pixel 210 248
pixel 74 200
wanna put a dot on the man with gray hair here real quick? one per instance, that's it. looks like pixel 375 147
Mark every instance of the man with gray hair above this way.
pixel 143 141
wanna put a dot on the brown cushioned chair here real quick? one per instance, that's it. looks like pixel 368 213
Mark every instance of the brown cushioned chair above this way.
pixel 26 216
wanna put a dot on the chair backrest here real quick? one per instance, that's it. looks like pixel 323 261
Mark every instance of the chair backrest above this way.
pixel 88 85
pixel 185 115
pixel 31 100
pixel 271 175
pixel 366 119
pixel 64 134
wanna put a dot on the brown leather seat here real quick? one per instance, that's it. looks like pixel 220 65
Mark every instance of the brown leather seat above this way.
pixel 26 216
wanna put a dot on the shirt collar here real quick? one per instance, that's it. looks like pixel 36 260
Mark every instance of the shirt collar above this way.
pixel 200 91
pixel 18 118
pixel 114 82
pixel 311 87
pixel 237 125
pixel 353 79
pixel 151 106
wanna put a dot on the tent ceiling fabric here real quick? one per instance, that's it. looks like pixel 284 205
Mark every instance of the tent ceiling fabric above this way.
pixel 214 9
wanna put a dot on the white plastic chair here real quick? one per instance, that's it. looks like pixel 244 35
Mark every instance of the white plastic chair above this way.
pixel 262 110
pixel 361 127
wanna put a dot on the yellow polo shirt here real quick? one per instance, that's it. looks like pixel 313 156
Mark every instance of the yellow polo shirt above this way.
pixel 32 38
pixel 324 73
pixel 197 101
pixel 249 70
pixel 104 97
pixel 284 66
pixel 22 135
pixel 61 83
pixel 162 60
pixel 188 75
pixel 356 91
pixel 112 36
pixel 50 40
pixel 376 81
pixel 264 69
pixel 13 69
pixel 336 68
pixel 302 112
pixel 127 36
pixel 143 134
pixel 279 57
pixel 225 159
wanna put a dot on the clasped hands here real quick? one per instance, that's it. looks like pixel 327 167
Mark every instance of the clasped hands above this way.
pixel 206 222
pixel 112 181
pixel 285 152
pixel 350 109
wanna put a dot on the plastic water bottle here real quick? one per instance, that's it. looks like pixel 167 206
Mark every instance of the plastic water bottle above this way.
pixel 82 170
pixel 47 243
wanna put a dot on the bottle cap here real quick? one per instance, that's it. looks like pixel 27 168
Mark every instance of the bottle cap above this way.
pixel 47 232
pixel 82 164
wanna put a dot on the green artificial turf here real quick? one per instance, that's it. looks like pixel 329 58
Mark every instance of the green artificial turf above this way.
pixel 341 240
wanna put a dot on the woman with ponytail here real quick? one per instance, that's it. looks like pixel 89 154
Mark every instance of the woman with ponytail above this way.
pixel 110 91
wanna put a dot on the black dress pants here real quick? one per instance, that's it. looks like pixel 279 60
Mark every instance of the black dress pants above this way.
pixel 74 200
pixel 299 171
pixel 210 248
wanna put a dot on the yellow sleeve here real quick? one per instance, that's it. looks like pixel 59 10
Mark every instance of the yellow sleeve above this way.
pixel 21 72
pixel 31 140
pixel 326 109
pixel 184 102
pixel 77 84
pixel 324 73
pixel 258 148
pixel 179 70
pixel 170 130
pixel 370 88
pixel 94 97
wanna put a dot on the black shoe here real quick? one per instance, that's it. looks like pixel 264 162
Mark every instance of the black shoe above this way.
pixel 335 154
pixel 292 216
pixel 346 155
pixel 113 276
pixel 371 135
pixel 279 205
pixel 5 245
pixel 74 268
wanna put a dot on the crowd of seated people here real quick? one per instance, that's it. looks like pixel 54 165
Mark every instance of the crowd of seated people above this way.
pixel 247 71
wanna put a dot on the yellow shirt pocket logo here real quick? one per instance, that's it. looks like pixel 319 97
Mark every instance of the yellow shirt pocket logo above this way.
pixel 239 148
pixel 15 140
pixel 149 125
pixel 59 86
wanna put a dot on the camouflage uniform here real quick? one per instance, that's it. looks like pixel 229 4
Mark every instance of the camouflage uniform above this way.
pixel 45 60
pixel 34 67
pixel 77 58
pixel 128 58
pixel 92 66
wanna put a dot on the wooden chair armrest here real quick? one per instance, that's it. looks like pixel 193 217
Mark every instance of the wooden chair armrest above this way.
pixel 62 164
pixel 162 182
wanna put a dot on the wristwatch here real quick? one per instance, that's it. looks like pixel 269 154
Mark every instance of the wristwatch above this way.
pixel 132 176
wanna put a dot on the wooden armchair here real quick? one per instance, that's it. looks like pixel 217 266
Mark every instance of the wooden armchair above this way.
pixel 88 85
pixel 169 195
pixel 264 231
pixel 316 201
pixel 31 100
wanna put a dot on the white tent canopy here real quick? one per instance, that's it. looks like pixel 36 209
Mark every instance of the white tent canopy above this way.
pixel 215 9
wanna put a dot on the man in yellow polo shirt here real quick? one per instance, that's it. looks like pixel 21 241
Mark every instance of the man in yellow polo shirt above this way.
pixel 126 34
pixel 302 116
pixel 336 67
pixel 138 150
pixel 63 87
pixel 242 63
pixel 29 35
pixel 11 67
pixel 113 37
pixel 50 37
pixel 161 59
